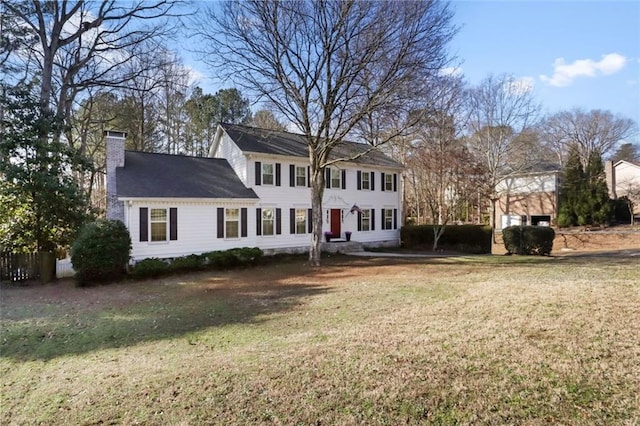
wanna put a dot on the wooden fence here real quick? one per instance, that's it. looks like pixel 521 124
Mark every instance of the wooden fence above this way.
pixel 18 267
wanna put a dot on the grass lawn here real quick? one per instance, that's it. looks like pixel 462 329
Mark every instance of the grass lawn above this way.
pixel 465 340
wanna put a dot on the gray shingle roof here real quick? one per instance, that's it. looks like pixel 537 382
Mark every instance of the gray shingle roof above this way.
pixel 252 139
pixel 148 175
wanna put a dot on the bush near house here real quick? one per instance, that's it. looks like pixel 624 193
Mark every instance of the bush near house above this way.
pixel 151 267
pixel 220 260
pixel 101 252
pixel 462 238
pixel 528 240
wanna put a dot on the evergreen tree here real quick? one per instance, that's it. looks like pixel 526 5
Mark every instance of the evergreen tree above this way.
pixel 598 194
pixel 584 197
pixel 41 205
pixel 571 190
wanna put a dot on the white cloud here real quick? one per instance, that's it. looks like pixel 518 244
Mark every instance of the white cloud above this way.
pixel 564 74
pixel 195 76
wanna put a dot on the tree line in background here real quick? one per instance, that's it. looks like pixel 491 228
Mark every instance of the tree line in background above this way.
pixel 329 70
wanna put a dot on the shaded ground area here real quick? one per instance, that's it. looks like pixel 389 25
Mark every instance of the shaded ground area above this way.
pixel 454 340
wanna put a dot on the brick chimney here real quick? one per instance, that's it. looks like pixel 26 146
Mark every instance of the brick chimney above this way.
pixel 610 174
pixel 115 158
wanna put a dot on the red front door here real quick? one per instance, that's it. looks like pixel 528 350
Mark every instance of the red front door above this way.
pixel 336 218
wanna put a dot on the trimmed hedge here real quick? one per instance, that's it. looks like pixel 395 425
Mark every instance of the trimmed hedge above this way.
pixel 528 240
pixel 101 252
pixel 149 268
pixel 220 260
pixel 462 238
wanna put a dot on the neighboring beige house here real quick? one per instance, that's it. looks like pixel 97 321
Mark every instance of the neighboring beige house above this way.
pixel 623 180
pixel 528 198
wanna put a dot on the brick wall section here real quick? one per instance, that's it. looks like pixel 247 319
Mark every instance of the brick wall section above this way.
pixel 568 242
pixel 115 158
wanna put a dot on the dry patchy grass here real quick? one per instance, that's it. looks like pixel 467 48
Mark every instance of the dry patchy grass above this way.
pixel 470 340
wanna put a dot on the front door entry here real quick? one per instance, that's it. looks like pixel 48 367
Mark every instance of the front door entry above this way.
pixel 336 218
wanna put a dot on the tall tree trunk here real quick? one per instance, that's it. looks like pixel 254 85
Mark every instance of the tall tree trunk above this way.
pixel 317 192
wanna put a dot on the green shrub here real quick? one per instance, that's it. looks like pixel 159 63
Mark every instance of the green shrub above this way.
pixel 528 240
pixel 463 238
pixel 222 259
pixel 621 210
pixel 227 259
pixel 149 268
pixel 192 262
pixel 247 255
pixel 233 258
pixel 101 252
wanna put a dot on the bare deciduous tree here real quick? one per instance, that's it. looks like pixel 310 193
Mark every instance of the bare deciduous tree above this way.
pixel 439 163
pixel 328 65
pixel 594 131
pixel 501 111
pixel 266 119
pixel 80 44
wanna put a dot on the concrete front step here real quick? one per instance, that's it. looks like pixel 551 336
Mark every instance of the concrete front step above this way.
pixel 341 246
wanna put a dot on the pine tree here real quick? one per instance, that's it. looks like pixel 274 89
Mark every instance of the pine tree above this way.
pixel 598 200
pixel 571 190
pixel 584 197
pixel 41 204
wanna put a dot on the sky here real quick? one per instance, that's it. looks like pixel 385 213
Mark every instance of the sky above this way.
pixel 572 54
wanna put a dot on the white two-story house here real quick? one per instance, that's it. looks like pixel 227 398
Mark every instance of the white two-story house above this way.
pixel 252 190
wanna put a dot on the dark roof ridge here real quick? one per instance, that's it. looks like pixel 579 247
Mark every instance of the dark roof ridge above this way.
pixel 292 133
pixel 174 155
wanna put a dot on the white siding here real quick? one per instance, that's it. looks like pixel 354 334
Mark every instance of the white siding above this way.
pixel 196 227
pixel 627 178
pixel 287 197
pixel 197 220
pixel 228 150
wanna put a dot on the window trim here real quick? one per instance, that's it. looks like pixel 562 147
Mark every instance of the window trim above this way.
pixel 339 179
pixel 388 182
pixel 226 221
pixel 304 223
pixel 304 175
pixel 366 175
pixel 362 218
pixel 166 225
pixel 263 174
pixel 273 221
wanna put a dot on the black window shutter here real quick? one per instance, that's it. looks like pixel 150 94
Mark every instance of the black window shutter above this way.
pixel 278 182
pixel 395 218
pixel 395 182
pixel 258 172
pixel 308 176
pixel 373 219
pixel 358 178
pixel 292 221
pixel 327 176
pixel 292 175
pixel 173 224
pixel 373 181
pixel 278 221
pixel 309 220
pixel 243 222
pixel 384 219
pixel 344 179
pixel 381 181
pixel 220 222
pixel 359 221
pixel 258 221
pixel 144 224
